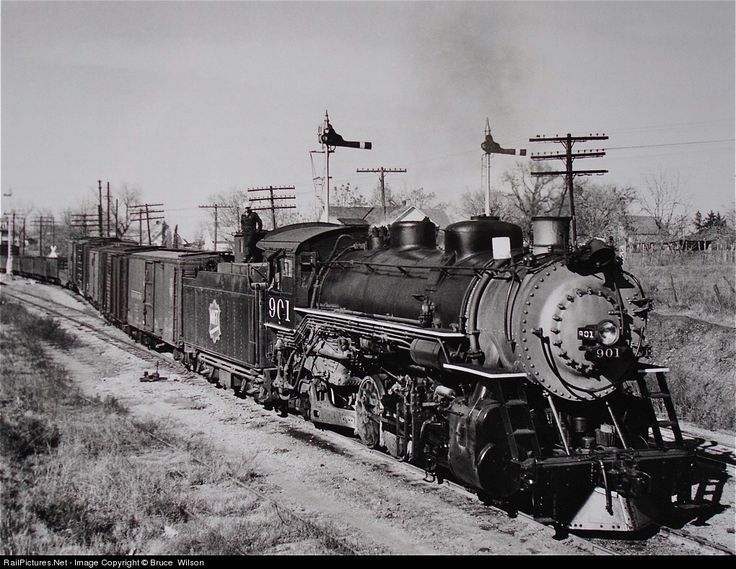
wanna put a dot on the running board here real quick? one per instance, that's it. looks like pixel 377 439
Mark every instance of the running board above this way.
pixel 488 373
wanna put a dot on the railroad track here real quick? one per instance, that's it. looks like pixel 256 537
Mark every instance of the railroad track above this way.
pixel 713 451
pixel 76 316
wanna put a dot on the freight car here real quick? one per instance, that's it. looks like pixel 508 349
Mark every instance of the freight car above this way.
pixel 519 372
pixel 155 282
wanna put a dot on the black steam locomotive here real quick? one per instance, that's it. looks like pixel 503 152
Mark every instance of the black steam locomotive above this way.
pixel 517 372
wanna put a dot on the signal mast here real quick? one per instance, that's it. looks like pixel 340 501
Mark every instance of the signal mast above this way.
pixel 329 139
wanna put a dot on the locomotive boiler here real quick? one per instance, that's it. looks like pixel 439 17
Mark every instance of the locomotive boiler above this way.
pixel 517 372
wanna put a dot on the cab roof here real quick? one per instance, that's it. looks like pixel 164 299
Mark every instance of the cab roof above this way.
pixel 292 238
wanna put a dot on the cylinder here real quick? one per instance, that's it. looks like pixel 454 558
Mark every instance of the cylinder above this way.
pixel 551 234
pixel 427 353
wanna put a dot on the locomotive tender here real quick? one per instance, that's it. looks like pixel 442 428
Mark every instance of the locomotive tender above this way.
pixel 517 372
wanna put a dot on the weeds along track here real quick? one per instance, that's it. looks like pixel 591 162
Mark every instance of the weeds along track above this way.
pixel 79 318
pixel 298 429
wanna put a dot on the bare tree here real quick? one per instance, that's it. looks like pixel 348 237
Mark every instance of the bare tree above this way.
pixel 346 195
pixel 231 204
pixel 126 196
pixel 602 210
pixel 664 201
pixel 532 196
pixel 474 203
pixel 417 197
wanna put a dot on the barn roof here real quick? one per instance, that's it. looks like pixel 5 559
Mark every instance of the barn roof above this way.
pixel 642 224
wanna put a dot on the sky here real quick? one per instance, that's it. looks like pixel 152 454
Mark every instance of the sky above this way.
pixel 187 99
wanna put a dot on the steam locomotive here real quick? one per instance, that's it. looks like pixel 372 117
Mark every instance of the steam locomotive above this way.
pixel 518 372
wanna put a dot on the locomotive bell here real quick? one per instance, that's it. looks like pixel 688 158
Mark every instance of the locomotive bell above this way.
pixel 551 234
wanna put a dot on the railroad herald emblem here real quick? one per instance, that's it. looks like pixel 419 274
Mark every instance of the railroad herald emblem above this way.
pixel 214 321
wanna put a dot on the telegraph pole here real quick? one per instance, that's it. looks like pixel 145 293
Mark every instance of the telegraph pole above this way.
pixel 99 206
pixel 139 211
pixel 568 156
pixel 40 222
pixel 108 209
pixel 84 220
pixel 272 198
pixel 382 171
pixel 216 206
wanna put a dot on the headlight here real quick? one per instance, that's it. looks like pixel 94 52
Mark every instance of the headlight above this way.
pixel 608 333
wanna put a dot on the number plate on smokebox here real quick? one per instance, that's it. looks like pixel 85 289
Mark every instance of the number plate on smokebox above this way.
pixel 589 339
pixel 587 335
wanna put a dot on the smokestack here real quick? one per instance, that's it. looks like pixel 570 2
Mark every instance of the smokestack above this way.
pixel 551 234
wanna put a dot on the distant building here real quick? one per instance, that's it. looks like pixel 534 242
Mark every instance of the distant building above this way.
pixel 709 238
pixel 372 216
pixel 641 232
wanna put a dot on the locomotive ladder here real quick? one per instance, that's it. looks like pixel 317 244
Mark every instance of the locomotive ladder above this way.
pixel 514 409
pixel 663 394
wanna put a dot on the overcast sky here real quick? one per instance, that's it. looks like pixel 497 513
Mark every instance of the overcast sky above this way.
pixel 185 99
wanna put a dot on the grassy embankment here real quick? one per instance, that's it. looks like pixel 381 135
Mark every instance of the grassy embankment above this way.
pixel 82 477
pixel 692 330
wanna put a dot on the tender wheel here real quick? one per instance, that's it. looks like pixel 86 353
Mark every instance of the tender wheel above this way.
pixel 368 411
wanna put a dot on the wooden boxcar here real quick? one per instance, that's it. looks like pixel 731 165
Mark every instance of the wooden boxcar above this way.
pixel 115 299
pixel 155 290
pixel 98 267
pixel 78 264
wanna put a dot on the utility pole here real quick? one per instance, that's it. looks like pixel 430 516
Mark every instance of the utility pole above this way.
pixel 11 221
pixel 137 214
pixel 9 257
pixel 216 206
pixel 329 139
pixel 490 146
pixel 108 209
pixel 40 222
pixel 84 220
pixel 272 198
pixel 383 171
pixel 99 206
pixel 11 242
pixel 568 156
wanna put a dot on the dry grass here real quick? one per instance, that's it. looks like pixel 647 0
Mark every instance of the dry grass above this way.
pixel 80 477
pixel 702 360
pixel 699 285
pixel 692 330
